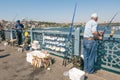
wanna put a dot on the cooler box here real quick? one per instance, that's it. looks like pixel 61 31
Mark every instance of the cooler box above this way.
pixel 76 74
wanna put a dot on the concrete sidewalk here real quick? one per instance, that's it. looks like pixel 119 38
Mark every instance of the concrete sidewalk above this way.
pixel 13 66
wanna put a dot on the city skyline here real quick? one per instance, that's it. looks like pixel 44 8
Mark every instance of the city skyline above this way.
pixel 59 10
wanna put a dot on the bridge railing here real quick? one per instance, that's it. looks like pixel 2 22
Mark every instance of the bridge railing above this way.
pixel 108 51
pixel 55 41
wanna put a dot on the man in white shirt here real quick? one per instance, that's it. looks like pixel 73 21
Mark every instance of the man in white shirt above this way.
pixel 90 44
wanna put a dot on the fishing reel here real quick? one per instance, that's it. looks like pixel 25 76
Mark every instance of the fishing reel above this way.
pixel 112 32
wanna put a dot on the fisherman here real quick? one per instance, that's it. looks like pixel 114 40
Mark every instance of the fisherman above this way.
pixel 0 31
pixel 2 35
pixel 19 27
pixel 1 26
pixel 90 43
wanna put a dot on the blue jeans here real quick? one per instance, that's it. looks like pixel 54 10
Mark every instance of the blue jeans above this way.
pixel 90 55
pixel 19 38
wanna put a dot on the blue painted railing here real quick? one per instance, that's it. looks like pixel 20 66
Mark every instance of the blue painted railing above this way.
pixel 108 51
pixel 54 40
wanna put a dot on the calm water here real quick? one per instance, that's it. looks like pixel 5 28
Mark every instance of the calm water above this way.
pixel 102 28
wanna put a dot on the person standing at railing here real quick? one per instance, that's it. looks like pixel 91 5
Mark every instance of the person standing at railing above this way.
pixel 19 29
pixel 90 43
pixel 1 26
pixel 0 31
pixel 2 35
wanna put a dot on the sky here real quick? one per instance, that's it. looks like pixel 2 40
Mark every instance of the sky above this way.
pixel 59 10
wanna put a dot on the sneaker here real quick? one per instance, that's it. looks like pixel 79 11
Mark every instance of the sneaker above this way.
pixel 86 78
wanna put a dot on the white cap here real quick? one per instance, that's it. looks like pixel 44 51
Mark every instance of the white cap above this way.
pixel 94 15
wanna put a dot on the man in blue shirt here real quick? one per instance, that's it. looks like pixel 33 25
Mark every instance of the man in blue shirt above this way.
pixel 90 44
pixel 19 27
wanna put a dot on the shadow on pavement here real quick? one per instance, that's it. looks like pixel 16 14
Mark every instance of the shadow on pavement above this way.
pixel 2 50
pixel 4 55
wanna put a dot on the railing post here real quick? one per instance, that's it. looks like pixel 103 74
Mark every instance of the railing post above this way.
pixel 77 42
pixel 31 34
pixel 11 34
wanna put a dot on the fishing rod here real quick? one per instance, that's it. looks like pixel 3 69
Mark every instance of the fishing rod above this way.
pixel 12 26
pixel 13 20
pixel 109 25
pixel 69 37
pixel 71 26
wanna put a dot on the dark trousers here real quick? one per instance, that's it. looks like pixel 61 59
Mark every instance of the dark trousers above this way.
pixel 90 55
pixel 19 38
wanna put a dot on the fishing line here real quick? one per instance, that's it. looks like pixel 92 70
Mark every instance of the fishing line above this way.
pixel 109 23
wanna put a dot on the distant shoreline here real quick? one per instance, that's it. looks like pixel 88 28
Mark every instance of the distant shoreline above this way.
pixel 43 24
pixel 112 24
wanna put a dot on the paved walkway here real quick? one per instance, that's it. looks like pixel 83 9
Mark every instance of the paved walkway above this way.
pixel 13 66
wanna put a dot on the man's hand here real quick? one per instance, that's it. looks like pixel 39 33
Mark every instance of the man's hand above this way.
pixel 100 38
pixel 100 32
pixel 98 35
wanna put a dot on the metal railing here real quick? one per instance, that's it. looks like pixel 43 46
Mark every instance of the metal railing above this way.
pixel 54 40
pixel 108 52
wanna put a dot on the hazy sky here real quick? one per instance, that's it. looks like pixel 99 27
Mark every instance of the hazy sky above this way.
pixel 59 10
